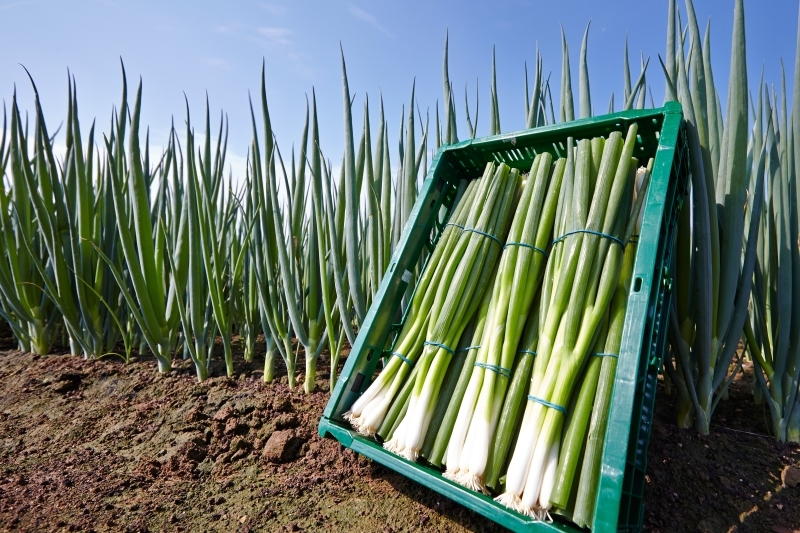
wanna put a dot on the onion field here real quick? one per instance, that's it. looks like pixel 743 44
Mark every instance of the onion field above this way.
pixel 160 260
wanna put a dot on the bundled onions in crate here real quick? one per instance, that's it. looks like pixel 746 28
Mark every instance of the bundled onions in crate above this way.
pixel 501 373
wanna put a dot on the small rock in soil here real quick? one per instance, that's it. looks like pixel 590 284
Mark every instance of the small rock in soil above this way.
pixel 137 527
pixel 224 458
pixel 282 405
pixel 205 467
pixel 67 382
pixel 790 477
pixel 244 406
pixel 224 414
pixel 282 447
pixel 286 421
pixel 238 443
pixel 194 450
pixel 231 426
pixel 194 415
pixel 239 455
pixel 149 467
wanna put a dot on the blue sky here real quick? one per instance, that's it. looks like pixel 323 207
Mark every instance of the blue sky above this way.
pixel 217 48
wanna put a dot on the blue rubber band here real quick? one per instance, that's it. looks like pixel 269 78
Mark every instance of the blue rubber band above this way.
pixel 528 351
pixel 479 232
pixel 494 368
pixel 526 245
pixel 468 348
pixel 603 354
pixel 558 408
pixel 591 232
pixel 454 224
pixel 402 358
pixel 439 345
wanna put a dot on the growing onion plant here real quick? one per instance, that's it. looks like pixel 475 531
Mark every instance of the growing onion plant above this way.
pixel 108 249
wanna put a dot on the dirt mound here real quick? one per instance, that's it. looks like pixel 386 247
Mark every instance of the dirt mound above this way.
pixel 104 446
pixel 725 482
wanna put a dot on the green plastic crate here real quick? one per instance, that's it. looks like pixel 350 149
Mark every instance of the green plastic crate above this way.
pixel 660 135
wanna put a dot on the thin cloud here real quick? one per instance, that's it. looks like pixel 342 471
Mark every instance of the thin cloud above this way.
pixel 216 62
pixel 277 35
pixel 18 4
pixel 273 9
pixel 282 48
pixel 369 18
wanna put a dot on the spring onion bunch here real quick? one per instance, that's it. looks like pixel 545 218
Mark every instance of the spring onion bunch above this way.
pixel 520 266
pixel 581 291
pixel 467 274
pixel 716 251
pixel 575 491
pixel 431 298
pixel 773 348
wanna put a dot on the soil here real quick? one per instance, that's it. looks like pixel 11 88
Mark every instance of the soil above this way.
pixel 727 481
pixel 100 445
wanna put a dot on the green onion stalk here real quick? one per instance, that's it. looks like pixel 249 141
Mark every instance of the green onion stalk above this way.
pixel 583 512
pixel 349 203
pixel 137 238
pixel 264 250
pixel 398 409
pixel 468 274
pixel 214 211
pixel 30 314
pixel 595 307
pixel 215 264
pixel 715 276
pixel 509 422
pixel 572 446
pixel 367 413
pixel 191 288
pixel 520 266
pixel 31 303
pixel 441 437
pixel 449 393
pixel 576 454
pixel 567 219
pixel 774 350
pixel 76 246
pixel 581 295
pixel 319 238
pixel 306 320
pixel 250 319
pixel 464 353
pixel 83 207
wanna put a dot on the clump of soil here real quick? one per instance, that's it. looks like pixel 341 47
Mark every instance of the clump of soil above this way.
pixel 729 481
pixel 105 446
pixel 98 445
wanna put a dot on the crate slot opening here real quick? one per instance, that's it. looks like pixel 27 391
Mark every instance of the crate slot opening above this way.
pixel 637 285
